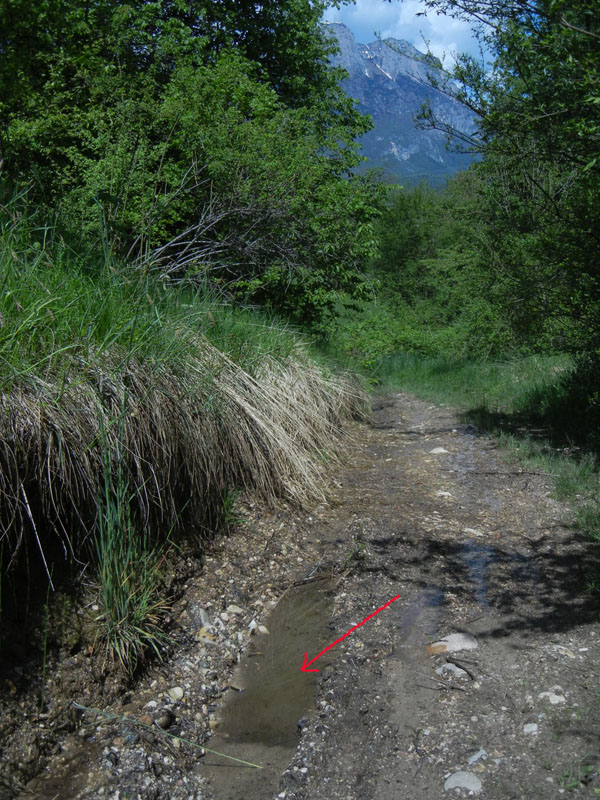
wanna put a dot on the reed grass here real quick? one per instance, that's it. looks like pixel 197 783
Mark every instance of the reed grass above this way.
pixel 128 572
pixel 130 410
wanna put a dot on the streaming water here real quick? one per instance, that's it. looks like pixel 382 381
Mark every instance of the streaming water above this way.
pixel 477 558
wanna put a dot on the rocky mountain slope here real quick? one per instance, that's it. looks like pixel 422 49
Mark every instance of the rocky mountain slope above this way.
pixel 391 81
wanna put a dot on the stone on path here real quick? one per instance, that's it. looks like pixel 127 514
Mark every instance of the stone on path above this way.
pixel 481 753
pixel 204 617
pixel 451 670
pixel 438 451
pixel 463 780
pixel 564 651
pixel 554 696
pixel 453 643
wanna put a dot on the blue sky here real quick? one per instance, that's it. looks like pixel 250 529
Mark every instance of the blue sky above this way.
pixel 399 19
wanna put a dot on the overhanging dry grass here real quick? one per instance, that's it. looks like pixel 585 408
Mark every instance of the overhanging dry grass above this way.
pixel 187 434
pixel 121 424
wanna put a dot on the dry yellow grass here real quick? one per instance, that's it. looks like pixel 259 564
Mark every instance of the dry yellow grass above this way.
pixel 185 438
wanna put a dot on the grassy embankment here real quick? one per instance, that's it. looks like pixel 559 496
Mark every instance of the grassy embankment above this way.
pixel 132 412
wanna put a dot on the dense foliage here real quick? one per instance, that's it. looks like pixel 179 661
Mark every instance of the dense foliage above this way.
pixel 204 141
pixel 433 295
pixel 538 189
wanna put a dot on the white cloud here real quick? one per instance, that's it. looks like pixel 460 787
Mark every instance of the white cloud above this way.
pixel 400 20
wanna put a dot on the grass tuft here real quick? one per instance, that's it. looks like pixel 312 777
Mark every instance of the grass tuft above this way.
pixel 128 574
pixel 130 411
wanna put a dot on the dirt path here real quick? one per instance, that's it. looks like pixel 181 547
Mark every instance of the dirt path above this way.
pixel 473 545
pixel 425 509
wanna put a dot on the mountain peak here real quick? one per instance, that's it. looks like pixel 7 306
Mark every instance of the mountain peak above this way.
pixel 391 80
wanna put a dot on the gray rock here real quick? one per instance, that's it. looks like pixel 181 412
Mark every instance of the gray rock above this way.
pixel 204 617
pixel 481 753
pixel 554 696
pixel 463 780
pixel 454 642
pixel 165 718
pixel 531 728
pixel 451 670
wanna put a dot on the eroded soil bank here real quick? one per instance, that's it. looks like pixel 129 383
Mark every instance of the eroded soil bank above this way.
pixel 424 508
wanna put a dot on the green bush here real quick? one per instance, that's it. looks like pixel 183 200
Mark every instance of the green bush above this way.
pixel 185 145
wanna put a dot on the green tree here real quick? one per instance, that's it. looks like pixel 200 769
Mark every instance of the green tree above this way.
pixel 208 141
pixel 539 181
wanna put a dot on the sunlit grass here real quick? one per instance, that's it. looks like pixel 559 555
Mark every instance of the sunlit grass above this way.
pixel 497 387
pixel 133 411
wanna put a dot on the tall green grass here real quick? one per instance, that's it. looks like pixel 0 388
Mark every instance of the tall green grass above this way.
pixel 58 306
pixel 131 409
pixel 128 569
pixel 499 387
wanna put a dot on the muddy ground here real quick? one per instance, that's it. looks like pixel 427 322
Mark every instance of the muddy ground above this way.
pixel 480 679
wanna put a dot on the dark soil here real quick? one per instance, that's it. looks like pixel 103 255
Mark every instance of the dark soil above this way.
pixel 424 508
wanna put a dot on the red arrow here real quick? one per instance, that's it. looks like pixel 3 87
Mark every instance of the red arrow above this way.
pixel 306 663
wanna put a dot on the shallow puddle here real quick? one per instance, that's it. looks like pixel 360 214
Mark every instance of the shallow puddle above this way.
pixel 417 623
pixel 275 694
pixel 477 558
pixel 271 695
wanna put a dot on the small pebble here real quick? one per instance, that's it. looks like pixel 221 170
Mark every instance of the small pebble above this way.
pixel 476 756
pixel 453 643
pixel 451 669
pixel 165 719
pixel 553 699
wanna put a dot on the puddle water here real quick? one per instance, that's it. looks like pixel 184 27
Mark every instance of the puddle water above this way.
pixel 260 722
pixel 417 623
pixel 275 693
pixel 406 671
pixel 477 558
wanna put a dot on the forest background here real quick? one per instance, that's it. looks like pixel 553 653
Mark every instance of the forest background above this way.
pixel 180 187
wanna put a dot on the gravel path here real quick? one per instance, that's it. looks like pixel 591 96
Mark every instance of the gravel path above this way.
pixel 483 679
pixel 480 680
